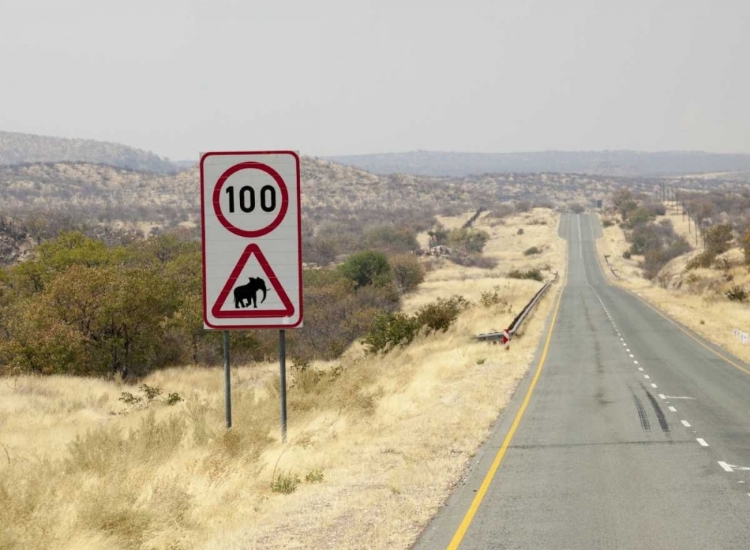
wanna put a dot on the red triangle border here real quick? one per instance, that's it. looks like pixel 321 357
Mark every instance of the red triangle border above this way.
pixel 288 310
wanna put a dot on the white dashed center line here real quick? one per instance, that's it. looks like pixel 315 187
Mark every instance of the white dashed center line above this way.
pixel 685 423
pixel 653 386
pixel 646 376
pixel 662 396
pixel 673 409
pixel 640 369
pixel 701 441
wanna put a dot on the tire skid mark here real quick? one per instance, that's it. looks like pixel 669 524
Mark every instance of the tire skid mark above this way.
pixel 645 424
pixel 663 424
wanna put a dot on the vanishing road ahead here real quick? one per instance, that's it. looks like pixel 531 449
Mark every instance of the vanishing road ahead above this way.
pixel 628 432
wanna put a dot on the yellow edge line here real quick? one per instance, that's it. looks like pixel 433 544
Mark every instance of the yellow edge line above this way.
pixel 663 314
pixel 471 512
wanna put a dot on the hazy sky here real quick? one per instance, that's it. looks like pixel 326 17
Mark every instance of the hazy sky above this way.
pixel 347 76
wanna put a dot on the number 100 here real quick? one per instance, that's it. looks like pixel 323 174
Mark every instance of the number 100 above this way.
pixel 247 198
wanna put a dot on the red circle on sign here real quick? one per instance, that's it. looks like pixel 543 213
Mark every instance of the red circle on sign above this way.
pixel 256 232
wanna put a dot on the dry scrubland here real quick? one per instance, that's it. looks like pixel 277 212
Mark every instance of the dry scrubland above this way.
pixel 693 297
pixel 376 442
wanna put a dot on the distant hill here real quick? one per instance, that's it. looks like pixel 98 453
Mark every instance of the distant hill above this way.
pixel 610 163
pixel 17 148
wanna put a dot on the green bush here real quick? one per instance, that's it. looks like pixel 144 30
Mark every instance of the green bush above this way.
pixel 627 255
pixel 314 476
pixel 468 240
pixel 737 294
pixel 367 268
pixel 389 330
pixel 534 274
pixel 441 314
pixel 408 273
pixel 285 483
pixel 531 251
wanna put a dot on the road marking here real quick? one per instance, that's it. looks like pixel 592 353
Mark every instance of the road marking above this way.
pixel 701 441
pixel 471 512
pixel 726 467
pixel 673 409
pixel 640 368
pixel 646 376
pixel 678 397
pixel 653 386
pixel 624 344
pixel 628 350
pixel 636 362
pixel 662 396
pixel 685 331
pixel 631 355
pixel 685 423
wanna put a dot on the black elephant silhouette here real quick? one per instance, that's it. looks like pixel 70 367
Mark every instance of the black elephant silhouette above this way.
pixel 245 295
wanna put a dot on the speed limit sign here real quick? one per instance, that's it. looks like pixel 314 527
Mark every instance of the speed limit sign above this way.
pixel 252 249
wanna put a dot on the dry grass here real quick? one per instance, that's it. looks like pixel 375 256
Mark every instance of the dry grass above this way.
pixel 695 297
pixel 390 435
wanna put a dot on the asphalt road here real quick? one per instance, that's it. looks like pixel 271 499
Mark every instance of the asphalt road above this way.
pixel 634 435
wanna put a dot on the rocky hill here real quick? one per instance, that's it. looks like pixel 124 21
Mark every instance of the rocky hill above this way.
pixel 611 163
pixel 17 148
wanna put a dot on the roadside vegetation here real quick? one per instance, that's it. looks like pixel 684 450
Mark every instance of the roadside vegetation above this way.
pixel 706 287
pixel 377 437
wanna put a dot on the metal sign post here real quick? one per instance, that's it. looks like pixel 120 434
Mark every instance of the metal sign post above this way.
pixel 227 381
pixel 282 365
pixel 252 249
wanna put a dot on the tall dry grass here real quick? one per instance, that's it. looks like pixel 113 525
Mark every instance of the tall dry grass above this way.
pixel 375 442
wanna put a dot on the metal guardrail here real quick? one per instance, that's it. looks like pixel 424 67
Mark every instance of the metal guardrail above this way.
pixel 504 336
pixel 611 268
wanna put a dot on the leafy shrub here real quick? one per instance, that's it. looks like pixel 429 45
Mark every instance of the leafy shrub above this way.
pixel 392 239
pixel 130 399
pixel 718 239
pixel 606 222
pixel 468 240
pixel 627 255
pixel 534 274
pixel 285 483
pixel 737 294
pixel 408 273
pixel 151 392
pixel 531 251
pixel 441 314
pixel 314 476
pixel 173 398
pixel 520 231
pixel 367 268
pixel 389 330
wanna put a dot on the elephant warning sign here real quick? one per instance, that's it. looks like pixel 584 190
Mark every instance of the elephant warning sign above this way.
pixel 252 250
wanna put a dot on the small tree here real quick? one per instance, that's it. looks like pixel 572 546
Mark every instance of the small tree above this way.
pixel 718 239
pixel 408 273
pixel 367 268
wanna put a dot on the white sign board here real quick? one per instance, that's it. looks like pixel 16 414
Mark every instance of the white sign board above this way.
pixel 252 240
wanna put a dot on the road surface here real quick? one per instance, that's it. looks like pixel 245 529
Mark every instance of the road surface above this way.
pixel 634 434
